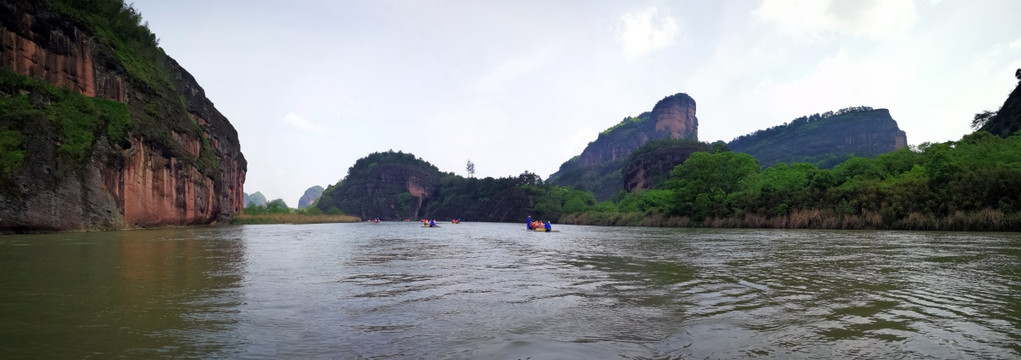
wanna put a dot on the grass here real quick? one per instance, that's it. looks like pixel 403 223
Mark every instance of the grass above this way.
pixel 246 219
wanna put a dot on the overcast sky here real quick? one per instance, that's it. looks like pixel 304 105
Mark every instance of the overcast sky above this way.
pixel 312 86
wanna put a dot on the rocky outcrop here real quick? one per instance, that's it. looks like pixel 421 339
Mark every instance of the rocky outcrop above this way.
pixel 310 196
pixel 1007 121
pixel 179 161
pixel 825 139
pixel 673 118
pixel 598 167
pixel 651 164
pixel 44 44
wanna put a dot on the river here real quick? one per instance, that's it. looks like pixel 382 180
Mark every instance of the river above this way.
pixel 496 291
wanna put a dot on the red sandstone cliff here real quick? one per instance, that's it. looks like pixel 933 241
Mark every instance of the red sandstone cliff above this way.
pixel 180 164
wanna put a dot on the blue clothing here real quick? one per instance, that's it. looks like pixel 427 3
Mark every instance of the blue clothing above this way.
pixel 528 223
pixel 432 223
pixel 548 227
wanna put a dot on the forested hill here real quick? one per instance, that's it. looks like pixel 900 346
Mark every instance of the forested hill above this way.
pixel 1007 120
pixel 824 139
pixel 598 167
pixel 396 186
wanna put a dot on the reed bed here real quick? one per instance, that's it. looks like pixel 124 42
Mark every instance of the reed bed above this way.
pixel 981 220
pixel 244 219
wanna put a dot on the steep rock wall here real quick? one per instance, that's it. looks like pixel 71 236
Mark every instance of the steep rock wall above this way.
pixel 598 167
pixel 194 176
pixel 672 117
pixel 825 140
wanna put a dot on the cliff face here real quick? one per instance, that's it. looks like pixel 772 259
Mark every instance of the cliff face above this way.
pixel 176 161
pixel 825 140
pixel 651 164
pixel 1007 120
pixel 673 118
pixel 598 167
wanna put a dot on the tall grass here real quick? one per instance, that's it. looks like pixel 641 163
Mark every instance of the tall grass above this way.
pixel 982 220
pixel 243 219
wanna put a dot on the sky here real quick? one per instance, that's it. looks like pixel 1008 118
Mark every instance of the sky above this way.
pixel 524 85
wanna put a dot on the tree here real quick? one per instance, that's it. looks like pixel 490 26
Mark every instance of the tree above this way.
pixel 982 118
pixel 704 182
pixel 471 168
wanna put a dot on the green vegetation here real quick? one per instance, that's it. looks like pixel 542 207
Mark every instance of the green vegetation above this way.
pixel 397 186
pixel 277 212
pixel 77 120
pixel 971 184
pixel 120 27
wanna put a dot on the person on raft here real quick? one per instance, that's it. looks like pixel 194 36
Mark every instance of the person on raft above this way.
pixel 548 226
pixel 432 223
pixel 528 222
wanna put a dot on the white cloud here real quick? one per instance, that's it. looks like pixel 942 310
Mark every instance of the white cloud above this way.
pixel 640 32
pixel 812 19
pixel 302 123
pixel 502 74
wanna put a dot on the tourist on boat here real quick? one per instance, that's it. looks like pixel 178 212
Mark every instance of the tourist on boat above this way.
pixel 548 226
pixel 528 223
pixel 432 223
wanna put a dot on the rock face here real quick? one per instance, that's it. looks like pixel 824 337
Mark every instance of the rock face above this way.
pixel 310 196
pixel 825 139
pixel 673 118
pixel 179 161
pixel 1007 120
pixel 597 169
pixel 651 164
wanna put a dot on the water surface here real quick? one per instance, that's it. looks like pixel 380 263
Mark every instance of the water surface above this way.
pixel 496 291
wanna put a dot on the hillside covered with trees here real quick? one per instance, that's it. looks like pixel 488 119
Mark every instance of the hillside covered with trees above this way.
pixel 825 139
pixel 970 184
pixel 397 186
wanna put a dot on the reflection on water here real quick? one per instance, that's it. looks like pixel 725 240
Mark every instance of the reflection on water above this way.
pixel 396 290
pixel 134 294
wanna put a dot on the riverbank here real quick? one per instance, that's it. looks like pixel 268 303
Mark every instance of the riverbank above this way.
pixel 984 220
pixel 246 219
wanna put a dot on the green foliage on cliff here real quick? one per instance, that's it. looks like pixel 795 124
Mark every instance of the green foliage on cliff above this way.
pixel 158 110
pixel 823 139
pixel 971 184
pixel 76 120
pixel 120 27
pixel 628 125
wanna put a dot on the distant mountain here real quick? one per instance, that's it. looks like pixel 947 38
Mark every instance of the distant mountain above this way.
pixel 1007 121
pixel 598 168
pixel 310 196
pixel 825 139
pixel 257 199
